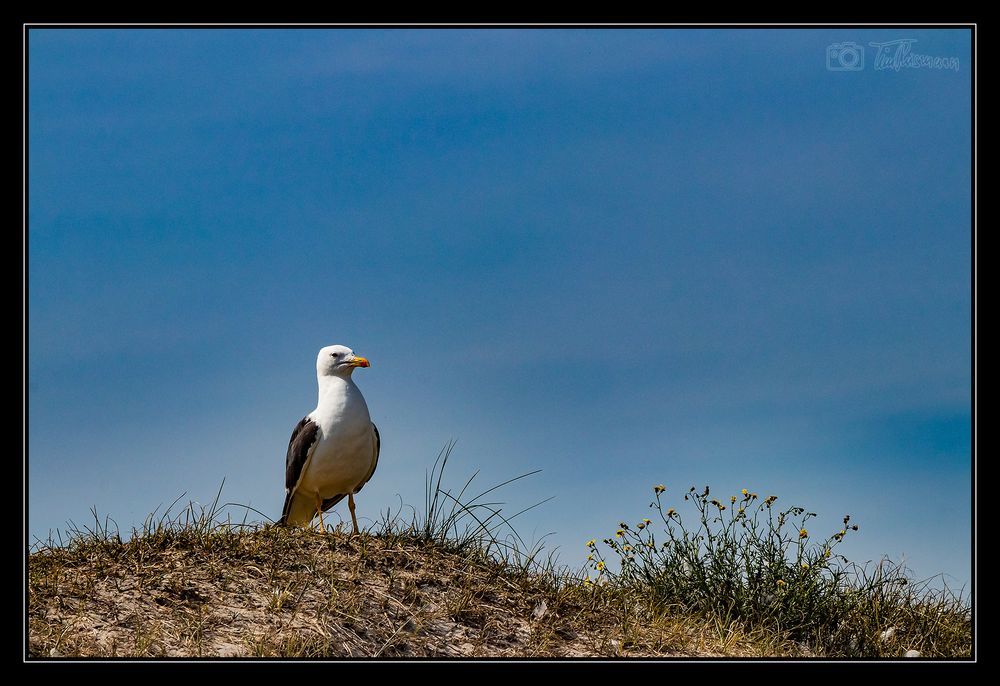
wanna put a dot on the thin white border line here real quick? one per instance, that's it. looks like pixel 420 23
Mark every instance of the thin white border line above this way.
pixel 975 348
pixel 511 24
pixel 24 334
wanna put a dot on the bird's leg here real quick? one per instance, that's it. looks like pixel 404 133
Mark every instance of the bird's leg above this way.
pixel 350 505
pixel 319 509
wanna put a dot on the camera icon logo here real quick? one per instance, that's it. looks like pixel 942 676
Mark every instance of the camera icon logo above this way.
pixel 846 56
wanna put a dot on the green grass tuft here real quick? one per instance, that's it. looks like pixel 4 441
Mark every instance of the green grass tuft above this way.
pixel 745 561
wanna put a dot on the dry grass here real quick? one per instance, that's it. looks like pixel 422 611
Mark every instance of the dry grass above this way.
pixel 276 592
pixel 447 584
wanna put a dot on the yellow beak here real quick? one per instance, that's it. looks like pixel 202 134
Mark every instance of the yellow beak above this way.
pixel 360 362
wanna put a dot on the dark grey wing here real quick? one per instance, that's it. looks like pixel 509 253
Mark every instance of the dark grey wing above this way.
pixel 300 446
pixel 330 502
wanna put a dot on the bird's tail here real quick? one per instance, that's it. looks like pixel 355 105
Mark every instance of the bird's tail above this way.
pixel 298 511
pixel 285 509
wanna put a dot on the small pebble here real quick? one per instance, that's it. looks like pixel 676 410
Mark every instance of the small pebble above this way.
pixel 540 610
pixel 912 653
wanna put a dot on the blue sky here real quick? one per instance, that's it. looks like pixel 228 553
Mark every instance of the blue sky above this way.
pixel 622 257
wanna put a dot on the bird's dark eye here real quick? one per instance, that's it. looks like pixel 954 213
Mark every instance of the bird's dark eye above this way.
pixel 334 354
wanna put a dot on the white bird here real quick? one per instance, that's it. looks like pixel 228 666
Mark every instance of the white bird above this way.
pixel 334 450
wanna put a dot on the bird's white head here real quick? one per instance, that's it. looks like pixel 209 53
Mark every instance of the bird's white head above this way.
pixel 338 360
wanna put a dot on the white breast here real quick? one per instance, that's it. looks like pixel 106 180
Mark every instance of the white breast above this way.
pixel 345 451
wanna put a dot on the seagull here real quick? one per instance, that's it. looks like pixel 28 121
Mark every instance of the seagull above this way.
pixel 334 449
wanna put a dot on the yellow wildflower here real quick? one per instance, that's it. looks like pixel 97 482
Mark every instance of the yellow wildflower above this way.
pixel 781 582
pixel 647 521
pixel 803 533
pixel 770 499
pixel 626 548
pixel 670 512
pixel 640 526
pixel 805 565
pixel 590 557
pixel 619 533
pixel 591 543
pixel 745 492
pixel 600 566
pixel 732 498
pixel 660 488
